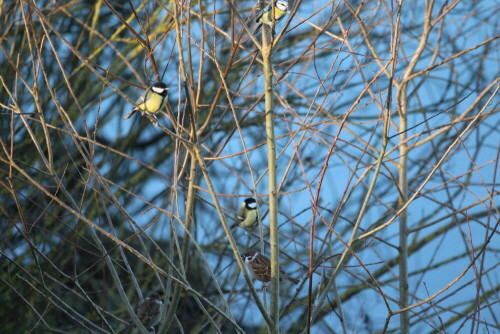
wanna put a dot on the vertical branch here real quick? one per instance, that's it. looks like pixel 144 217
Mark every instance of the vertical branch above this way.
pixel 402 101
pixel 403 190
pixel 271 165
pixel 403 217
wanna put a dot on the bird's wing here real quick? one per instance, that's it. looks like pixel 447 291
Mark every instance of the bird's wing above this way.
pixel 262 12
pixel 149 310
pixel 241 212
pixel 265 260
pixel 141 311
pixel 142 98
pixel 138 102
pixel 261 266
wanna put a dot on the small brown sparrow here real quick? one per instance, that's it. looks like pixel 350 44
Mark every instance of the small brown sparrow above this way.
pixel 260 267
pixel 149 311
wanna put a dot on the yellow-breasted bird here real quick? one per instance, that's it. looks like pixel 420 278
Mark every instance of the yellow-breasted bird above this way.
pixel 266 15
pixel 151 101
pixel 247 215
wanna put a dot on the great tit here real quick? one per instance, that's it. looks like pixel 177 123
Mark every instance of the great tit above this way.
pixel 265 16
pixel 152 100
pixel 247 215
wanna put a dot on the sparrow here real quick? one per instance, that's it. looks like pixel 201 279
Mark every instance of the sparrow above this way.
pixel 247 215
pixel 149 311
pixel 260 267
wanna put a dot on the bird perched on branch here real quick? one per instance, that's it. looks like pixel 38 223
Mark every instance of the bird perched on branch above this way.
pixel 260 267
pixel 247 215
pixel 149 311
pixel 266 15
pixel 152 100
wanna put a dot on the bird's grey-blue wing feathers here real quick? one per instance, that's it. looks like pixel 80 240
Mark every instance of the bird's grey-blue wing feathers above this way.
pixel 262 12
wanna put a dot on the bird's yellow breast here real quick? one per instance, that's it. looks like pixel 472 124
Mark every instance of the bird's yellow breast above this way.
pixel 266 17
pixel 153 104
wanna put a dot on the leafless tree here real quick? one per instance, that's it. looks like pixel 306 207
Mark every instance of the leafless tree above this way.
pixel 368 131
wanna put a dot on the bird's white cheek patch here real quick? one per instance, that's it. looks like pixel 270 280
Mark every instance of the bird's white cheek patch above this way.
pixel 282 6
pixel 158 90
pixel 252 205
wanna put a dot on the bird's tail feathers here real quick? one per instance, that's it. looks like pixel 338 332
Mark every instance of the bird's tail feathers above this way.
pixel 258 28
pixel 291 279
pixel 130 114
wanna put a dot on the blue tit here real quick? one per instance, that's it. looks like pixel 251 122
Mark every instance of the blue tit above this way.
pixel 265 16
pixel 152 100
pixel 247 215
